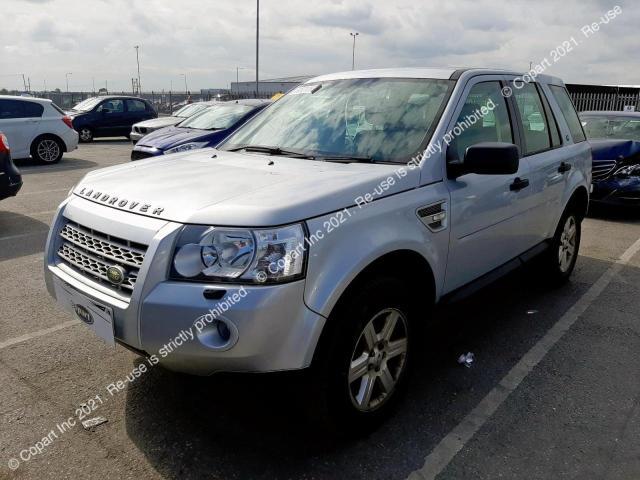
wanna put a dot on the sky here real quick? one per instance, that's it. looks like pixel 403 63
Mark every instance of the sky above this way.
pixel 206 41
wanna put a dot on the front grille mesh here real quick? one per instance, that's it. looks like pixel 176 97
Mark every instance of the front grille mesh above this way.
pixel 92 253
pixel 601 170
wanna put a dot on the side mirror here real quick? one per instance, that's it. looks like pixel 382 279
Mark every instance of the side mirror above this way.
pixel 488 158
pixel 104 111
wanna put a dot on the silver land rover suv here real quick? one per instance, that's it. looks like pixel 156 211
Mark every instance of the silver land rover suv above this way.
pixel 320 233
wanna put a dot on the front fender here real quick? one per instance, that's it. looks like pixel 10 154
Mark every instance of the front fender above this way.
pixel 344 243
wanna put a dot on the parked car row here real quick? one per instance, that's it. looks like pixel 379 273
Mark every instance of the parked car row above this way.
pixel 206 128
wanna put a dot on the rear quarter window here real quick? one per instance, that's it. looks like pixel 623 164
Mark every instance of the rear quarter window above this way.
pixel 32 109
pixel 569 113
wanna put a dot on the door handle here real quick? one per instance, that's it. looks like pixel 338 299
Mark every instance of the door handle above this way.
pixel 564 167
pixel 518 184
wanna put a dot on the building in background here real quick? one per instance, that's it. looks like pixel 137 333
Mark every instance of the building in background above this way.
pixel 267 88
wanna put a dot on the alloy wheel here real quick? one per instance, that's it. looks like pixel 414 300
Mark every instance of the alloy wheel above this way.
pixel 48 150
pixel 567 247
pixel 378 359
pixel 85 134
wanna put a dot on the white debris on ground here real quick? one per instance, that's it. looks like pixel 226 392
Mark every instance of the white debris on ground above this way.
pixel 91 423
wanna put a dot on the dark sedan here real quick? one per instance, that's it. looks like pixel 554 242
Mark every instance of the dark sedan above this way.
pixel 205 129
pixel 615 144
pixel 10 178
pixel 109 116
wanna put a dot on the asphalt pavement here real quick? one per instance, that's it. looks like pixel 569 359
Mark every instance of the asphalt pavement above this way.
pixel 553 392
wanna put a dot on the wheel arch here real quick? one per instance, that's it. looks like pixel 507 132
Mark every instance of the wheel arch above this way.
pixel 579 200
pixel 419 279
pixel 53 136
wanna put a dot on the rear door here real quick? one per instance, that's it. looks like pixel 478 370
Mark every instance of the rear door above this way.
pixel 549 164
pixel 19 121
pixel 136 112
pixel 486 210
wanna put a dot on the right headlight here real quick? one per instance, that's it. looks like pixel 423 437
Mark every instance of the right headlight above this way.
pixel 219 254
pixel 628 171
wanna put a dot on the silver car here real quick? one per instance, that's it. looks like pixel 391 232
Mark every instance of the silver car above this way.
pixel 141 129
pixel 319 235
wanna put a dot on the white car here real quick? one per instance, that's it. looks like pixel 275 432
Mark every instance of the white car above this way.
pixel 36 127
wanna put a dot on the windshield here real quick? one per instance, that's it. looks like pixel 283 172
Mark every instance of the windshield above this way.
pixel 87 104
pixel 216 117
pixel 384 119
pixel 189 110
pixel 627 128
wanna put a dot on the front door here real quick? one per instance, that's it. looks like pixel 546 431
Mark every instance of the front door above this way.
pixel 486 210
pixel 111 118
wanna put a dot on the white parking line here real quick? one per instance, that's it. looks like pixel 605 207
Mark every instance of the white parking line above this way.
pixel 39 333
pixel 451 444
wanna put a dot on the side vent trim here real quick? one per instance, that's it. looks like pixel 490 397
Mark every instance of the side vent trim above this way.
pixel 434 216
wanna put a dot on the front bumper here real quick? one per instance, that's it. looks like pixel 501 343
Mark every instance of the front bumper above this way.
pixel 272 328
pixel 135 136
pixel 617 191
pixel 10 178
pixel 9 186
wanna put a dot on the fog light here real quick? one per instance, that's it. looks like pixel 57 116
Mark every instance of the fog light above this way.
pixel 223 331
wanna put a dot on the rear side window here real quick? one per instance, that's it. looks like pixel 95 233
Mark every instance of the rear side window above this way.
pixel 11 109
pixel 533 117
pixel 136 106
pixel 569 112
pixel 32 109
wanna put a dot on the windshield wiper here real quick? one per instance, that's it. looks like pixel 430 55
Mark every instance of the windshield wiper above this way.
pixel 346 158
pixel 273 151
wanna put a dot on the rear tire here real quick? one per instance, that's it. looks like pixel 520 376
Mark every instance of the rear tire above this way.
pixel 362 369
pixel 47 149
pixel 560 260
pixel 85 135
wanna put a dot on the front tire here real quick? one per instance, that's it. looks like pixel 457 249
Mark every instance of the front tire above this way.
pixel 47 150
pixel 85 135
pixel 365 365
pixel 560 261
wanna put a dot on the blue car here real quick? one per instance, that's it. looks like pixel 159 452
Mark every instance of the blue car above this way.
pixel 205 129
pixel 615 145
pixel 109 116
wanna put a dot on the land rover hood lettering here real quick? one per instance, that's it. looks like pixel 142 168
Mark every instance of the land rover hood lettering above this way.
pixel 122 203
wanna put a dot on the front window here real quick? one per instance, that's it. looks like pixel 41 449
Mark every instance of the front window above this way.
pixel 381 119
pixel 217 117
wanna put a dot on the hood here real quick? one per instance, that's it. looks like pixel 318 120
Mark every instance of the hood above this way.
pixel 170 137
pixel 159 122
pixel 239 189
pixel 611 149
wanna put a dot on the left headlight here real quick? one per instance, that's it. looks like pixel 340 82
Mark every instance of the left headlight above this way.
pixel 186 147
pixel 259 256
pixel 629 171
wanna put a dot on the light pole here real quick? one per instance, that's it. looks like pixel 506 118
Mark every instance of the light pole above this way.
pixel 257 44
pixel 353 53
pixel 185 82
pixel 66 76
pixel 138 62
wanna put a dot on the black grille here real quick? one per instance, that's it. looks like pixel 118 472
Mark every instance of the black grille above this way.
pixel 137 155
